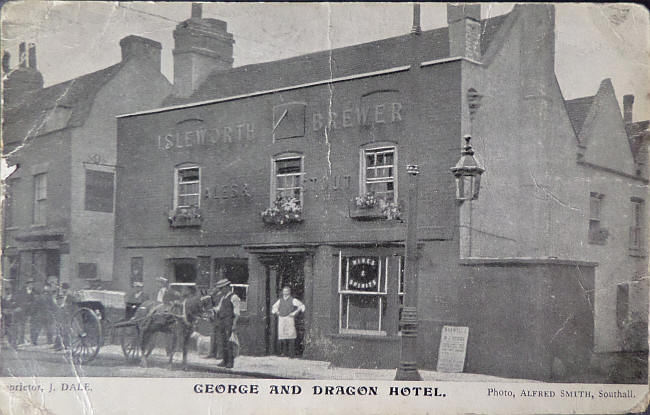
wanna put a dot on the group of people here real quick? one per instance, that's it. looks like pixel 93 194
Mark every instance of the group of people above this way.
pixel 49 309
pixel 42 310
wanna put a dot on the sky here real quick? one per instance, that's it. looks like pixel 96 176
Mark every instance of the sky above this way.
pixel 593 41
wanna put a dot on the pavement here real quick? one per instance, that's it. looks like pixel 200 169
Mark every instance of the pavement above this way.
pixel 284 368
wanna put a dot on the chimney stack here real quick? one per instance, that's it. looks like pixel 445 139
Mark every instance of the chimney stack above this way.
pixel 628 103
pixel 201 46
pixel 22 56
pixel 416 28
pixel 32 56
pixel 464 30
pixel 197 10
pixel 22 81
pixel 6 62
pixel 137 47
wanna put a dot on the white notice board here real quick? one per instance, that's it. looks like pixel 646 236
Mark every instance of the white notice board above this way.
pixel 453 348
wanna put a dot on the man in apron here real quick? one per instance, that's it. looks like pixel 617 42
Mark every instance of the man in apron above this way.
pixel 287 308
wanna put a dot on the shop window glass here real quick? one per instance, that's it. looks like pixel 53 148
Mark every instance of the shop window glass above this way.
pixel 237 272
pixel 362 294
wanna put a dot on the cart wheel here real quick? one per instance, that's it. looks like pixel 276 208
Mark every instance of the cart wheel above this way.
pixel 85 335
pixel 130 339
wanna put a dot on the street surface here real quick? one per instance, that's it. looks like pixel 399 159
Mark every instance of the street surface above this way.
pixel 42 361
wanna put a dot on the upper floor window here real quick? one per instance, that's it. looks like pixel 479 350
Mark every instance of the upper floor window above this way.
pixel 636 233
pixel 597 234
pixel 188 186
pixel 288 171
pixel 40 199
pixel 378 172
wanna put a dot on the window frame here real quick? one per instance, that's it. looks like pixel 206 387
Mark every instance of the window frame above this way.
pixel 39 210
pixel 363 181
pixel 596 234
pixel 274 176
pixel 177 194
pixel 636 241
pixel 382 295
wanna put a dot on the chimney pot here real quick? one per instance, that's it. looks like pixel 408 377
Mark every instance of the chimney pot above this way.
pixel 628 103
pixel 22 57
pixel 6 62
pixel 197 10
pixel 32 56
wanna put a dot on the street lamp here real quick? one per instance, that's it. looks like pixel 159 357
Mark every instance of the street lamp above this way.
pixel 407 369
pixel 468 174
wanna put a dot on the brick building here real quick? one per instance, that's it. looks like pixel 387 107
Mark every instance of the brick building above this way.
pixel 61 141
pixel 518 266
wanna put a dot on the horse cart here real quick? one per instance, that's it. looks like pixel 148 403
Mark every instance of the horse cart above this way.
pixel 98 317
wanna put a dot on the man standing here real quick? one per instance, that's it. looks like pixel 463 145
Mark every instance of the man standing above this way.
pixel 23 308
pixel 225 320
pixel 64 307
pixel 8 306
pixel 134 298
pixel 162 289
pixel 287 308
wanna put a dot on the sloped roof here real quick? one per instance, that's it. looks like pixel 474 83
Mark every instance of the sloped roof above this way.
pixel 76 95
pixel 578 109
pixel 361 58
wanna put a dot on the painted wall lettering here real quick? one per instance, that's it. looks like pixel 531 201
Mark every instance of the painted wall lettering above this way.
pixel 238 133
pixel 364 115
pixel 228 191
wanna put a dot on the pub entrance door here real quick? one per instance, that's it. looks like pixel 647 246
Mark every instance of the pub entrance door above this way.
pixel 284 270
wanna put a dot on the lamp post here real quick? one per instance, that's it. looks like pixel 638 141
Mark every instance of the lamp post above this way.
pixel 407 369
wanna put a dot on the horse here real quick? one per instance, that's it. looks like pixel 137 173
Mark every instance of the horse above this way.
pixel 177 319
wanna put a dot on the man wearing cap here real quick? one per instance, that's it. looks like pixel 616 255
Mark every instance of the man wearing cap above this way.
pixel 23 304
pixel 64 307
pixel 134 298
pixel 225 320
pixel 8 306
pixel 41 317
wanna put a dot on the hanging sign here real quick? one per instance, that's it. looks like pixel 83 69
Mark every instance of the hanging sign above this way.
pixel 363 274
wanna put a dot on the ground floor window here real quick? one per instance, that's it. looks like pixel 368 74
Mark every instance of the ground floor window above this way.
pixel 236 270
pixel 184 270
pixel 362 294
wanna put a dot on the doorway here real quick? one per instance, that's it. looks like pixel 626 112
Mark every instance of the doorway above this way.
pixel 285 270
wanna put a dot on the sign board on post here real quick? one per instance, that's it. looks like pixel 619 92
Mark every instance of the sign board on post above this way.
pixel 452 350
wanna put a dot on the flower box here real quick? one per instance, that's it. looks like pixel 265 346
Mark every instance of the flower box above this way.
pixel 283 212
pixel 185 217
pixel 366 208
pixel 366 213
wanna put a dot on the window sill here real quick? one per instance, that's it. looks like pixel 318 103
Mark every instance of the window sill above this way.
pixel 11 228
pixel 637 252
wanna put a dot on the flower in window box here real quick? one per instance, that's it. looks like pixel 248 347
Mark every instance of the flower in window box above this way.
pixel 390 209
pixel 185 216
pixel 284 210
pixel 366 201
